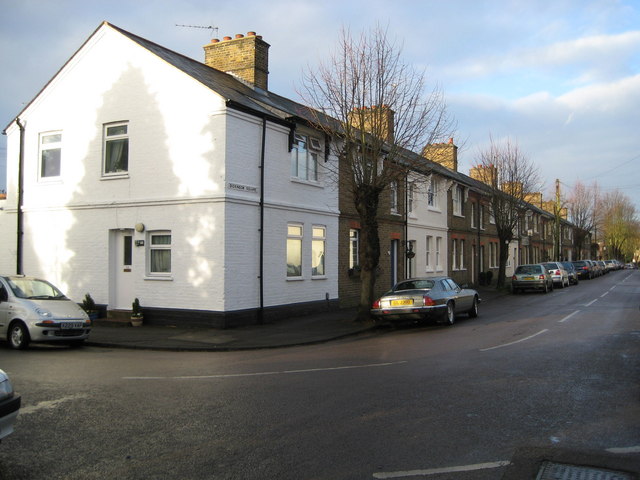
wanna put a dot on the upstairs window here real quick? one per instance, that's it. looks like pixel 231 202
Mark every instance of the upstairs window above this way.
pixel 394 197
pixel 474 221
pixel 304 163
pixel 410 195
pixel 432 192
pixel 458 200
pixel 116 148
pixel 50 154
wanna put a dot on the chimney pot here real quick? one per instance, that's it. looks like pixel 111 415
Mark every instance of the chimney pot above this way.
pixel 215 40
pixel 226 38
pixel 239 35
pixel 451 141
pixel 251 34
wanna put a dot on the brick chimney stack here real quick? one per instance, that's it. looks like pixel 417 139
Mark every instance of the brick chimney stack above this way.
pixel 246 57
pixel 446 154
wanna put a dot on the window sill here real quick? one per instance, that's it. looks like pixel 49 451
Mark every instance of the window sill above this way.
pixel 458 215
pixel 434 209
pixel 311 183
pixel 114 176
pixel 159 278
pixel 295 279
pixel 50 180
pixel 319 277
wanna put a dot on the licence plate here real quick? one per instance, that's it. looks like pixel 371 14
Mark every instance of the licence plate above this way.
pixel 402 303
pixel 70 325
pixel 528 278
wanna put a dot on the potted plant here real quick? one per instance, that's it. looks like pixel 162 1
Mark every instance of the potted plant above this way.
pixel 136 314
pixel 89 306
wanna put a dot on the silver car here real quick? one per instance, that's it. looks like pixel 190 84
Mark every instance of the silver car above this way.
pixel 558 273
pixel 9 406
pixel 534 276
pixel 427 298
pixel 33 310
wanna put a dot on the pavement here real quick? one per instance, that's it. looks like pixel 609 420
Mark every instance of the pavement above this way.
pixel 284 332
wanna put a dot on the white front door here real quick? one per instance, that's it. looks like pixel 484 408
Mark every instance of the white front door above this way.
pixel 121 248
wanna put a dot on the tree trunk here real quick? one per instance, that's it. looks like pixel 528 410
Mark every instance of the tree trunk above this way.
pixel 366 202
pixel 502 264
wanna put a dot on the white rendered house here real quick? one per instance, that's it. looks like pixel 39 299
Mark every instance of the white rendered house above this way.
pixel 148 174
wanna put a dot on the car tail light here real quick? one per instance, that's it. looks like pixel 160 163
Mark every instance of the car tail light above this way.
pixel 376 304
pixel 514 278
pixel 557 272
pixel 427 301
pixel 541 277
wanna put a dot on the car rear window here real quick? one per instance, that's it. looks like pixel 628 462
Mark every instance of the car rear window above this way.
pixel 415 285
pixel 580 264
pixel 528 269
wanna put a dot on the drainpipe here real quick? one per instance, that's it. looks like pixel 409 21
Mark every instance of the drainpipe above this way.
pixel 20 228
pixel 407 261
pixel 478 249
pixel 262 155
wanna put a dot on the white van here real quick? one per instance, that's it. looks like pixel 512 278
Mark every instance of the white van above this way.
pixel 33 310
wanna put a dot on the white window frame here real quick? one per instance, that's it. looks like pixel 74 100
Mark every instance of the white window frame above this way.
pixel 155 247
pixel 473 215
pixel 432 193
pixel 318 239
pixel 454 254
pixel 410 198
pixel 438 246
pixel 429 246
pixel 354 247
pixel 49 147
pixel 304 162
pixel 106 139
pixel 393 201
pixel 461 254
pixel 295 236
pixel 458 200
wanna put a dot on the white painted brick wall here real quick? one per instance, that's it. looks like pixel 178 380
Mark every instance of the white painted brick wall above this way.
pixel 184 152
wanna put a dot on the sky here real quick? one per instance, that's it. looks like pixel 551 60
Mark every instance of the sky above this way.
pixel 561 78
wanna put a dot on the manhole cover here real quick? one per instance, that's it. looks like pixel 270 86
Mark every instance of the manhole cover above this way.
pixel 560 471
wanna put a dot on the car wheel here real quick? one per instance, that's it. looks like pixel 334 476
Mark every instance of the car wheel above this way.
pixel 450 316
pixel 473 313
pixel 545 289
pixel 18 336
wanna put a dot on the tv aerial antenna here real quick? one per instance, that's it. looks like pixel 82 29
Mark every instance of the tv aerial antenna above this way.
pixel 210 27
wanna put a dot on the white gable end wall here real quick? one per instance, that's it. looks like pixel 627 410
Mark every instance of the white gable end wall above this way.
pixel 194 174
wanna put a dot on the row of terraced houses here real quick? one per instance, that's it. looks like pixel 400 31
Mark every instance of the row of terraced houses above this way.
pixel 137 172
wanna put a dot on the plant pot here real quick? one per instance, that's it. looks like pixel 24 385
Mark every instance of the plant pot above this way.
pixel 136 321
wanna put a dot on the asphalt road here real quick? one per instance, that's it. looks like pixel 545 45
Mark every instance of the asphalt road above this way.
pixel 555 371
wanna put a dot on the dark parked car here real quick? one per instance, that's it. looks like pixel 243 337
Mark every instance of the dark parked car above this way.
pixel 534 276
pixel 427 298
pixel 9 406
pixel 571 272
pixel 584 269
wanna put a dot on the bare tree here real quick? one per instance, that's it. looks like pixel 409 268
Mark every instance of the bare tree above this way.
pixel 511 176
pixel 377 109
pixel 582 204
